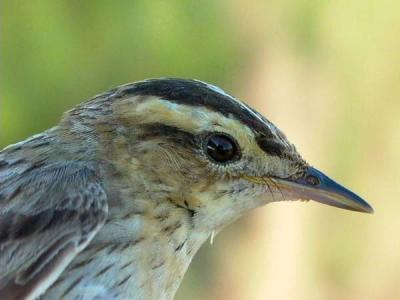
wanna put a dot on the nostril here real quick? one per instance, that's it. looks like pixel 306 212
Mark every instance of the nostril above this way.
pixel 312 180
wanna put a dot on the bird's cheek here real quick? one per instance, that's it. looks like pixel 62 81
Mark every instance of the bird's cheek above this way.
pixel 259 191
pixel 187 201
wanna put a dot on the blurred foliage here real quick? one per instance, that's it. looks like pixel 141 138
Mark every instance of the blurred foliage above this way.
pixel 327 72
pixel 61 52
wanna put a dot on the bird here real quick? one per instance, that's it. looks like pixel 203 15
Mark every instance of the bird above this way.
pixel 115 201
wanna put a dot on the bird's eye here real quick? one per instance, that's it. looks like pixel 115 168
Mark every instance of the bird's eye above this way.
pixel 221 148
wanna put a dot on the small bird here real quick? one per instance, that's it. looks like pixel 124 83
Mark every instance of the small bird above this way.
pixel 114 201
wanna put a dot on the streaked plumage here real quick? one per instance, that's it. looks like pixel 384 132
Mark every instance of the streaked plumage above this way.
pixel 114 202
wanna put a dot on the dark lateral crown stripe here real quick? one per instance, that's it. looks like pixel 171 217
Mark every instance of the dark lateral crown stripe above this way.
pixel 196 93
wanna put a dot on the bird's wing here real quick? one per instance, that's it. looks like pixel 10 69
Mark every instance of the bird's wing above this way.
pixel 48 214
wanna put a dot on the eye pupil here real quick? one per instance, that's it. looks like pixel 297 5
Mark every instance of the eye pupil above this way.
pixel 221 148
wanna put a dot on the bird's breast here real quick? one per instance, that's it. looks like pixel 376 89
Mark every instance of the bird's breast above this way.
pixel 140 257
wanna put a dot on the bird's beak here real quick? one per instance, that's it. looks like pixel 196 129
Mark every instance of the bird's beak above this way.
pixel 315 185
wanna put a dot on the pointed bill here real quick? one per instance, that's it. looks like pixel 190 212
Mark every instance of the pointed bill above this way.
pixel 315 185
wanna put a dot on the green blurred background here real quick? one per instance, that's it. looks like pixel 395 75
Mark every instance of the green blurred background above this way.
pixel 327 72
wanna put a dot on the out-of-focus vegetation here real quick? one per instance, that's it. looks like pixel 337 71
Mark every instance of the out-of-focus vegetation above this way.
pixel 327 72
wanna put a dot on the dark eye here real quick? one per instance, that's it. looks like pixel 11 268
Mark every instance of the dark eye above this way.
pixel 221 148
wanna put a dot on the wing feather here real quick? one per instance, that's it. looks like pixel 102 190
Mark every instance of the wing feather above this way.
pixel 48 215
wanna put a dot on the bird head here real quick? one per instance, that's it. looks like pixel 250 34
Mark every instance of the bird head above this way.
pixel 191 144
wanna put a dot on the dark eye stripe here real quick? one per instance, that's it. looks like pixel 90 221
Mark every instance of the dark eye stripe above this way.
pixel 270 146
pixel 179 136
